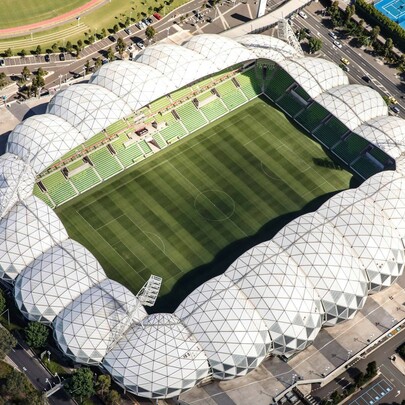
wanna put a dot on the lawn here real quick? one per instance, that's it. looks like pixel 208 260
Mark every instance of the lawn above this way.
pixel 187 212
pixel 14 13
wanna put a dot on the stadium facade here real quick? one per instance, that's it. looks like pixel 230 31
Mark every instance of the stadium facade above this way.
pixel 274 299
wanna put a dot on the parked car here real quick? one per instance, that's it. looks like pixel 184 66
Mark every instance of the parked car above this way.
pixel 128 31
pixel 337 44
pixel 303 15
pixel 62 57
pixel 157 16
pixel 146 22
pixel 112 38
pixel 149 20
pixel 2 62
pixel 46 57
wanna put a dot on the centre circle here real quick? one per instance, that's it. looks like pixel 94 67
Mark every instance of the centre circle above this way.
pixel 214 205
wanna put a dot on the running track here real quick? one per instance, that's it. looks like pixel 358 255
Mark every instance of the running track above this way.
pixel 52 22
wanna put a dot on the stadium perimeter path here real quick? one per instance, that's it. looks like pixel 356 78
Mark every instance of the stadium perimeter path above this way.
pixel 52 22
pixel 332 347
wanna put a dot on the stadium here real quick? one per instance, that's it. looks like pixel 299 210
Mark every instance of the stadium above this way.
pixel 81 158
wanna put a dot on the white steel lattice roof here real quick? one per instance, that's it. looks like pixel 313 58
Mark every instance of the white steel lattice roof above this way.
pixel 315 75
pixel 92 322
pixel 328 263
pixel 266 47
pixel 54 279
pixel 88 107
pixel 41 139
pixel 388 133
pixel 17 180
pixel 222 52
pixel 159 358
pixel 353 104
pixel 135 83
pixel 228 327
pixel 29 229
pixel 178 64
pixel 284 297
pixel 370 234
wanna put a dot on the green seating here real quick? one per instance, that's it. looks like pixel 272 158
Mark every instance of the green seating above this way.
pixel 250 83
pixel 214 110
pixel 145 147
pixel 74 165
pixel 279 82
pixel 159 104
pixel 226 88
pixel 175 130
pixel 190 116
pixel 351 148
pixel 116 127
pixel 365 167
pixel 178 94
pixel 118 144
pixel 104 163
pixel 380 155
pixel 59 189
pixel 43 196
pixel 127 156
pixel 166 117
pixel 94 139
pixel 204 96
pixel 85 179
pixel 290 104
pixel 312 116
pixel 301 92
pixel 159 140
pixel 330 132
pixel 234 100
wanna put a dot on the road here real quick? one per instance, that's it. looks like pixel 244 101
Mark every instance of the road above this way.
pixel 361 63
pixel 388 372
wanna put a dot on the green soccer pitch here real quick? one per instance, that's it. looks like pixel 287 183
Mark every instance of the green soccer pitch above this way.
pixel 187 212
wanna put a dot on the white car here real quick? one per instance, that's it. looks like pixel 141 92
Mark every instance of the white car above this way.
pixel 140 45
pixel 338 44
pixel 303 15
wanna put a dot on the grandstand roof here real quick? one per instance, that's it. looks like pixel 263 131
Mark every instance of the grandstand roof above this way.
pixel 230 330
pixel 267 47
pixel 88 107
pixel 54 279
pixel 370 234
pixel 29 229
pixel 315 75
pixel 353 104
pixel 41 139
pixel 388 133
pixel 321 254
pixel 17 180
pixel 157 359
pixel 281 293
pixel 87 327
pixel 177 63
pixel 220 51
pixel 135 83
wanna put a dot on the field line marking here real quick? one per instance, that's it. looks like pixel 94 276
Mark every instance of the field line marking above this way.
pixel 108 222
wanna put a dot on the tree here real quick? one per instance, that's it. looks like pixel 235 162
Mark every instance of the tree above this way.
pixel 41 72
pixel 113 398
pixel 97 63
pixel 103 33
pixel 38 50
pixel 79 45
pixel 301 34
pixel 36 333
pixel 54 48
pixel 23 53
pixel 103 384
pixel 375 32
pixel 8 52
pixel 16 384
pixel 7 342
pixel 25 74
pixel 69 47
pixel 388 47
pixel 3 78
pixel 150 32
pixel 315 44
pixel 359 379
pixel 115 28
pixel 87 66
pixel 371 370
pixel 110 54
pixel 349 12
pixel 3 83
pixel 127 22
pixel 81 385
pixel 120 47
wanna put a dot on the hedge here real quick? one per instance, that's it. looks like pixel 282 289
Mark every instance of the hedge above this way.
pixel 389 28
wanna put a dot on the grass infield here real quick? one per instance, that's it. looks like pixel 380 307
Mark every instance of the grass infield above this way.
pixel 187 212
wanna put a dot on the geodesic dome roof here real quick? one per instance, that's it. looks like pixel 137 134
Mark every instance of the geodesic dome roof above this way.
pixel 230 330
pixel 221 51
pixel 353 104
pixel 267 47
pixel 177 63
pixel 159 358
pixel 135 83
pixel 329 264
pixel 388 133
pixel 41 139
pixel 17 181
pixel 387 191
pixel 282 295
pixel 88 107
pixel 315 75
pixel 370 234
pixel 87 328
pixel 54 279
pixel 29 229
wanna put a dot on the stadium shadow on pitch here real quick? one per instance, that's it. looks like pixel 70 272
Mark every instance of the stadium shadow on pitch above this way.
pixel 194 278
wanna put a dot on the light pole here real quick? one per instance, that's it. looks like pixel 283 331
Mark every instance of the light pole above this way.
pixel 57 375
pixel 349 353
pixel 47 381
pixel 60 81
pixel 293 379
pixel 84 71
